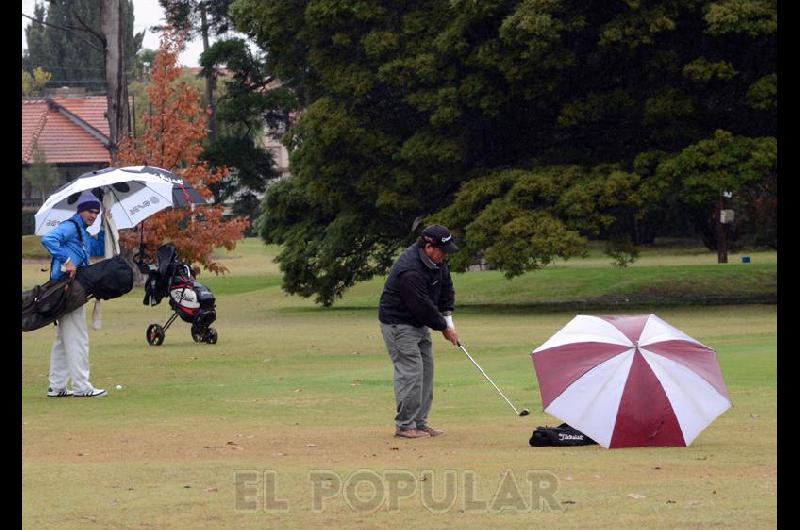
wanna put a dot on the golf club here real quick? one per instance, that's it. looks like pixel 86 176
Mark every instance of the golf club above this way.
pixel 523 412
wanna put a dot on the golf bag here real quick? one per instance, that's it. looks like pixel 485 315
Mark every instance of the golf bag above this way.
pixel 190 300
pixel 561 436
pixel 106 279
pixel 45 303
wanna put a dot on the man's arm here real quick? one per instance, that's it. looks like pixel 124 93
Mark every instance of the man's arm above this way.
pixel 54 241
pixel 98 245
pixel 447 303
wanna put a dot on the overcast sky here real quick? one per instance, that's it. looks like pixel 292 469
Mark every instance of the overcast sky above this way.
pixel 146 13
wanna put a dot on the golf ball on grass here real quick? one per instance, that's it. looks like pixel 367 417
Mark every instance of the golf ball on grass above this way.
pixel 119 387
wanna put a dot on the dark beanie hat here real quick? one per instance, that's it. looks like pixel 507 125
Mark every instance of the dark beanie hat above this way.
pixel 87 201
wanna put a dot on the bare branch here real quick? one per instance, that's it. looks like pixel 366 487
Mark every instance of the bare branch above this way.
pixel 90 30
pixel 71 30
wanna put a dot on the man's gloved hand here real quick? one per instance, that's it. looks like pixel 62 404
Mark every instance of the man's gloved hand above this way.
pixel 450 333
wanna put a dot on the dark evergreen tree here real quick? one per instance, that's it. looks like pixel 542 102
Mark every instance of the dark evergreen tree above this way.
pixel 68 45
pixel 543 112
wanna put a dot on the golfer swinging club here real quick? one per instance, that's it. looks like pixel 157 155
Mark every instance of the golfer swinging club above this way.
pixel 418 296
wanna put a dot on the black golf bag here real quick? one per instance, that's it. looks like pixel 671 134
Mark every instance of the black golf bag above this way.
pixel 561 436
pixel 190 300
pixel 44 304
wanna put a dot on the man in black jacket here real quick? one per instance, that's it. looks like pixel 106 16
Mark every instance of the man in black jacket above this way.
pixel 418 296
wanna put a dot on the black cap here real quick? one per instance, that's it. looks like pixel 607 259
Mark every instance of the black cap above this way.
pixel 440 237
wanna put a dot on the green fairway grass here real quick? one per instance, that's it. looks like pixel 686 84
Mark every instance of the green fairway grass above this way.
pixel 292 389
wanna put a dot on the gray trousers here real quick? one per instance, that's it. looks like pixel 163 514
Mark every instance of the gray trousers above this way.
pixel 411 351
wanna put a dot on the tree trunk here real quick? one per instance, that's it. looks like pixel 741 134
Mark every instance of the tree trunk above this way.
pixel 211 80
pixel 118 113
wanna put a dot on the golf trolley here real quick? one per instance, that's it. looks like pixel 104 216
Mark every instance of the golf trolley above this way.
pixel 189 299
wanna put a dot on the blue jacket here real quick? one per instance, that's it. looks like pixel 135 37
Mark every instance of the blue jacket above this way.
pixel 64 242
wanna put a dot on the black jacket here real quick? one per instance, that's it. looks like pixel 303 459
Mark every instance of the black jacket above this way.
pixel 417 291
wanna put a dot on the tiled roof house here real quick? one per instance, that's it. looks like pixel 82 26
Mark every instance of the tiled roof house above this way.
pixel 72 133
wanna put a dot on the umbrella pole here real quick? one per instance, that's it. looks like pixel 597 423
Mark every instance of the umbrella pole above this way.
pixel 523 412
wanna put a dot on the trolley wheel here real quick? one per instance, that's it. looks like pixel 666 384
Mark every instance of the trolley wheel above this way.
pixel 198 335
pixel 155 335
pixel 211 336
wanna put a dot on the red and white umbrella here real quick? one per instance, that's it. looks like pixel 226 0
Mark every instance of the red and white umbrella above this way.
pixel 630 381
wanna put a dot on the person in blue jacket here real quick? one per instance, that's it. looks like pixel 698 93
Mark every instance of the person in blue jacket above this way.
pixel 71 246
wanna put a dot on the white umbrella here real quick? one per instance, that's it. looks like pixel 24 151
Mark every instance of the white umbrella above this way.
pixel 137 191
pixel 129 196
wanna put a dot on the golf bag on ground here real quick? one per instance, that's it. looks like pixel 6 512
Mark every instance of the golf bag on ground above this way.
pixel 188 298
pixel 106 279
pixel 561 436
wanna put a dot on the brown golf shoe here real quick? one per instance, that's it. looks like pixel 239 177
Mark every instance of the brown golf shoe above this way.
pixel 410 433
pixel 430 430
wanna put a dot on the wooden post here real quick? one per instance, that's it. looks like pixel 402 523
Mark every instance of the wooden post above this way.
pixel 722 234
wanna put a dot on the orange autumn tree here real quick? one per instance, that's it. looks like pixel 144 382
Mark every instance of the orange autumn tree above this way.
pixel 172 139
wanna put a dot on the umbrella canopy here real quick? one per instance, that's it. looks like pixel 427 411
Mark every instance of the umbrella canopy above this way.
pixel 630 381
pixel 138 192
pixel 182 193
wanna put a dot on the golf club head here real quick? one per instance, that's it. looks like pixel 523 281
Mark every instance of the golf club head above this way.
pixel 524 412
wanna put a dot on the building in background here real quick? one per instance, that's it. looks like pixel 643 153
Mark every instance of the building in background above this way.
pixel 70 130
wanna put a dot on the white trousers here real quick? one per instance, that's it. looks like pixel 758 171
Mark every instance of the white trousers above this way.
pixel 69 357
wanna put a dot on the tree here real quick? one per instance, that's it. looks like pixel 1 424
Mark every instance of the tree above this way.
pixel 697 177
pixel 521 220
pixel 118 113
pixel 33 83
pixel 142 65
pixel 201 17
pixel 66 39
pixel 172 139
pixel 250 108
pixel 407 103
